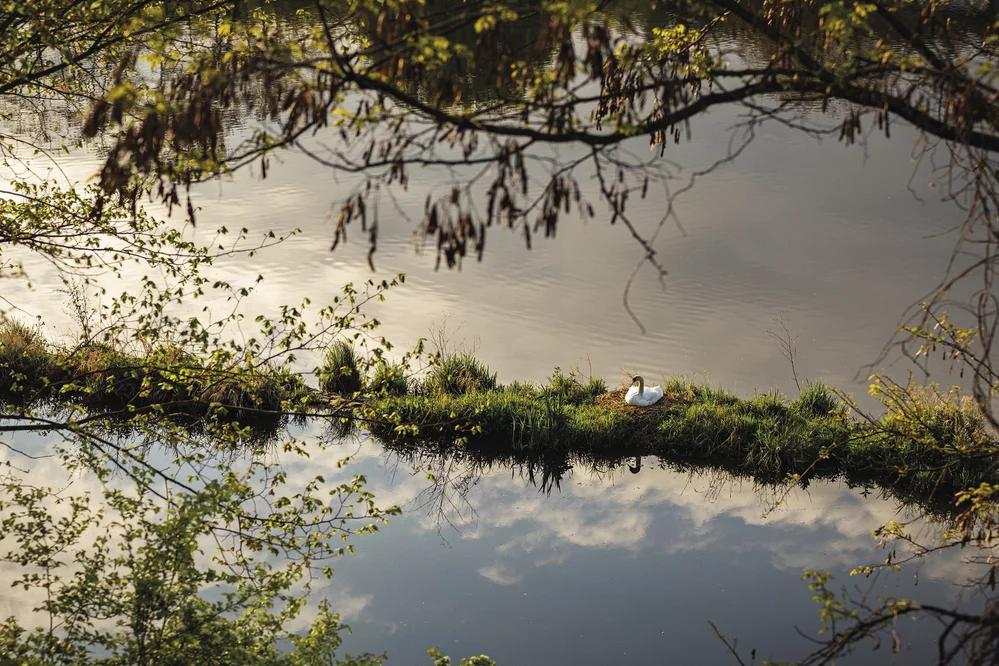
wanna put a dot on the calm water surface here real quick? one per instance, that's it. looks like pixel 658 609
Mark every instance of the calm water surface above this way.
pixel 816 233
pixel 608 566
pixel 613 566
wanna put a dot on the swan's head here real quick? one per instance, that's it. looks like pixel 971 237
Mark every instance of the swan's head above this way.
pixel 638 378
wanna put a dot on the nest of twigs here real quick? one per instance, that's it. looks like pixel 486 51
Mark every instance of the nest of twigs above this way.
pixel 646 416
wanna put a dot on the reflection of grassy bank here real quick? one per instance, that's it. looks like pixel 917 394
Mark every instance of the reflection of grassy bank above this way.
pixel 924 444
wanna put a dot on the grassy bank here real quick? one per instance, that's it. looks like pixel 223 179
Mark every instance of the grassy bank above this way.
pixel 166 380
pixel 925 443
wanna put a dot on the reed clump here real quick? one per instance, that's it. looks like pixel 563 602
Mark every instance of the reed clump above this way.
pixel 340 372
pixel 458 374
pixel 390 379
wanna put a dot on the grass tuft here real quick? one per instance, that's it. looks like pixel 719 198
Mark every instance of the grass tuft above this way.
pixel 459 374
pixel 340 372
pixel 517 387
pixel 815 400
pixel 571 390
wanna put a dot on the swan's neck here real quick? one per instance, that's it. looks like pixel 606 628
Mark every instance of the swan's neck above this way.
pixel 641 386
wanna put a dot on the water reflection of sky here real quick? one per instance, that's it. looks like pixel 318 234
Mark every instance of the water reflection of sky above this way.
pixel 613 566
pixel 609 565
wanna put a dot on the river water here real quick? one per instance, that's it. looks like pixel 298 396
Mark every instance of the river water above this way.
pixel 613 566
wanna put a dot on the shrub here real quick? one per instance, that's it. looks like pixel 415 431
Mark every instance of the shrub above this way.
pixel 390 378
pixel 926 416
pixel 339 372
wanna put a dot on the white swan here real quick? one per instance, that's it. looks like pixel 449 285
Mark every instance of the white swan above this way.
pixel 642 397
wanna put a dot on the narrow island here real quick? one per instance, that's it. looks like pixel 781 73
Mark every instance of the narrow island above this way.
pixel 926 446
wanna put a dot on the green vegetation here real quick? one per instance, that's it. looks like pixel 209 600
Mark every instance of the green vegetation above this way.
pixel 926 443
pixel 24 361
pixel 340 372
pixel 570 389
pixel 815 400
pixel 390 378
pixel 458 374
pixel 177 384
